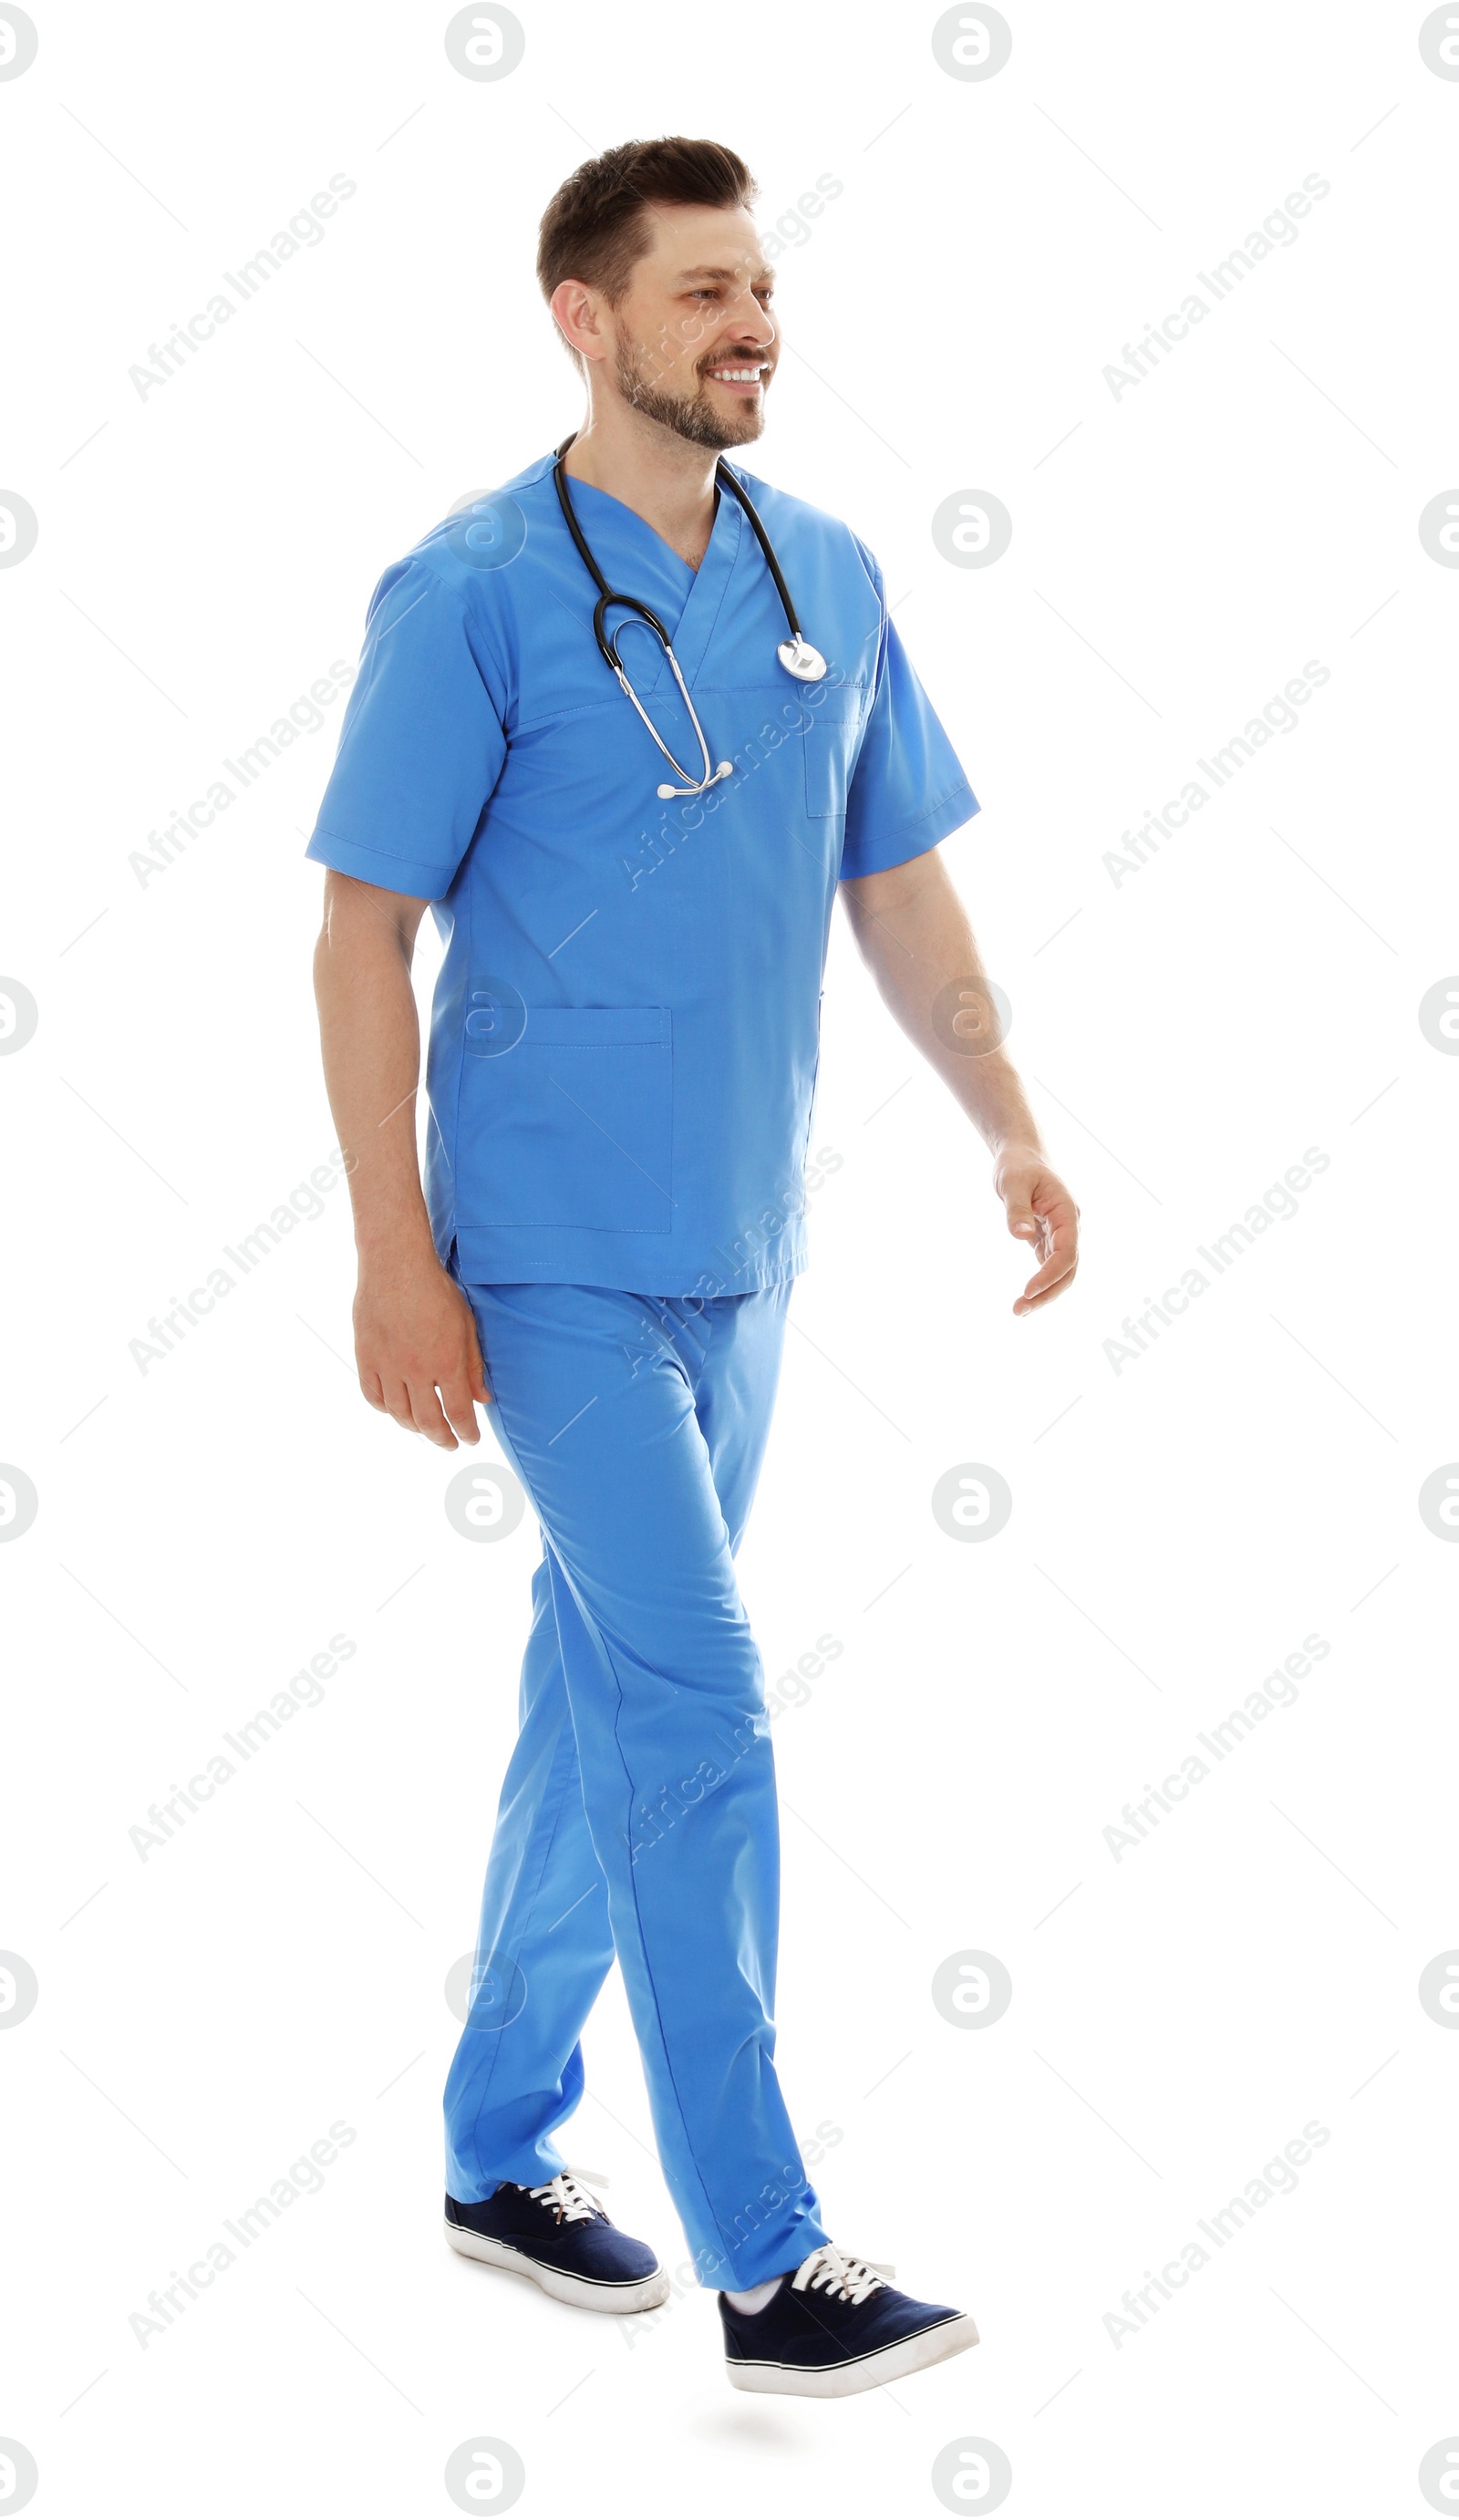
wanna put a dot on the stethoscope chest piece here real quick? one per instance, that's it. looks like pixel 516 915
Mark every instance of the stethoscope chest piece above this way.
pixel 802 659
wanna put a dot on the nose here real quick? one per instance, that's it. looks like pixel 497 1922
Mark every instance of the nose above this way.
pixel 749 324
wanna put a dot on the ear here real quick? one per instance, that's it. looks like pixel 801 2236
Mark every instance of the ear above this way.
pixel 575 310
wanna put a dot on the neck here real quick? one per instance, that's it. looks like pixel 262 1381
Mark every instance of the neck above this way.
pixel 663 478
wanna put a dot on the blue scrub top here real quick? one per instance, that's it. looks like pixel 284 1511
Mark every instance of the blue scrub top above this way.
pixel 626 1025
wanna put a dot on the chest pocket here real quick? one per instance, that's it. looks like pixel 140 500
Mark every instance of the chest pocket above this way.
pixel 830 742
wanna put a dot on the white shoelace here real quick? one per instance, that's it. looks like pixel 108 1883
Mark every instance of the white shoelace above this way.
pixel 569 2200
pixel 852 2278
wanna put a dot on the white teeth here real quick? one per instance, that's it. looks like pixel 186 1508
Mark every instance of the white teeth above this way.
pixel 736 376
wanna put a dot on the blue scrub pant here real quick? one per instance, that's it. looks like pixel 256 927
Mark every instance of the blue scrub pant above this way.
pixel 638 1815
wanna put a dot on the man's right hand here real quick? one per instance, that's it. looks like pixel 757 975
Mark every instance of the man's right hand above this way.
pixel 416 1349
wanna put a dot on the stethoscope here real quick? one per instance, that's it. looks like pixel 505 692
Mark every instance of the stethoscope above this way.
pixel 796 654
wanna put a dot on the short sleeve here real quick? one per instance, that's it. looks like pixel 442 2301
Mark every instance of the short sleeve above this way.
pixel 909 789
pixel 420 746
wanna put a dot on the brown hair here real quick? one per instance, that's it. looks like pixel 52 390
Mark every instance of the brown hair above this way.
pixel 595 228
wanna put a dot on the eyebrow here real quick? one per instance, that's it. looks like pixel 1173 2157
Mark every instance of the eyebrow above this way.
pixel 722 271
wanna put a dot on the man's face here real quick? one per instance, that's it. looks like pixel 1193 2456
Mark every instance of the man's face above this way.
pixel 694 346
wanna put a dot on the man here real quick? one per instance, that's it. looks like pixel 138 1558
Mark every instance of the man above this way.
pixel 623 1051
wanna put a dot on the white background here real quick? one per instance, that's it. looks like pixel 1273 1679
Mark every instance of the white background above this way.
pixel 1179 1525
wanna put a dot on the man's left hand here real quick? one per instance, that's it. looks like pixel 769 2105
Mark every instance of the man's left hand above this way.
pixel 1041 1212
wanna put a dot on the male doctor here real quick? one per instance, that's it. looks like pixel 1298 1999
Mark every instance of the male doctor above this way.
pixel 632 857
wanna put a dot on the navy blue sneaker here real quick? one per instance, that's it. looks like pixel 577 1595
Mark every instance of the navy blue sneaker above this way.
pixel 835 2327
pixel 559 2236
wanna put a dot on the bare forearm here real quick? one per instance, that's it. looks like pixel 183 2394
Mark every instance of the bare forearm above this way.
pixel 918 943
pixel 415 1337
pixel 371 1043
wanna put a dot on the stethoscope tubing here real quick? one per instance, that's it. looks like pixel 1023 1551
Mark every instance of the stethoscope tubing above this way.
pixel 724 479
pixel 722 473
pixel 608 641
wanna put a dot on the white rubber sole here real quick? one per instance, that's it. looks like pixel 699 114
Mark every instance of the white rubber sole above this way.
pixel 579 2290
pixel 869 2371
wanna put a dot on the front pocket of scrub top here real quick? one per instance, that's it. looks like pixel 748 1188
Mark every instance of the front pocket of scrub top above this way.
pixel 573 1125
pixel 829 744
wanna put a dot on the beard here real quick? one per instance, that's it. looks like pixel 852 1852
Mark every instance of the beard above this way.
pixel 694 417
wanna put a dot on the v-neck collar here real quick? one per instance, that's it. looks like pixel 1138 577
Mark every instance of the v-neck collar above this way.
pixel 702 598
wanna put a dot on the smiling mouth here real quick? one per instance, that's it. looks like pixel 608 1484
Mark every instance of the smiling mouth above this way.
pixel 746 378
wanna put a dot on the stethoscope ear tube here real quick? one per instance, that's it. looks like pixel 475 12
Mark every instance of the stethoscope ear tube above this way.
pixel 796 654
pixel 560 484
pixel 724 473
